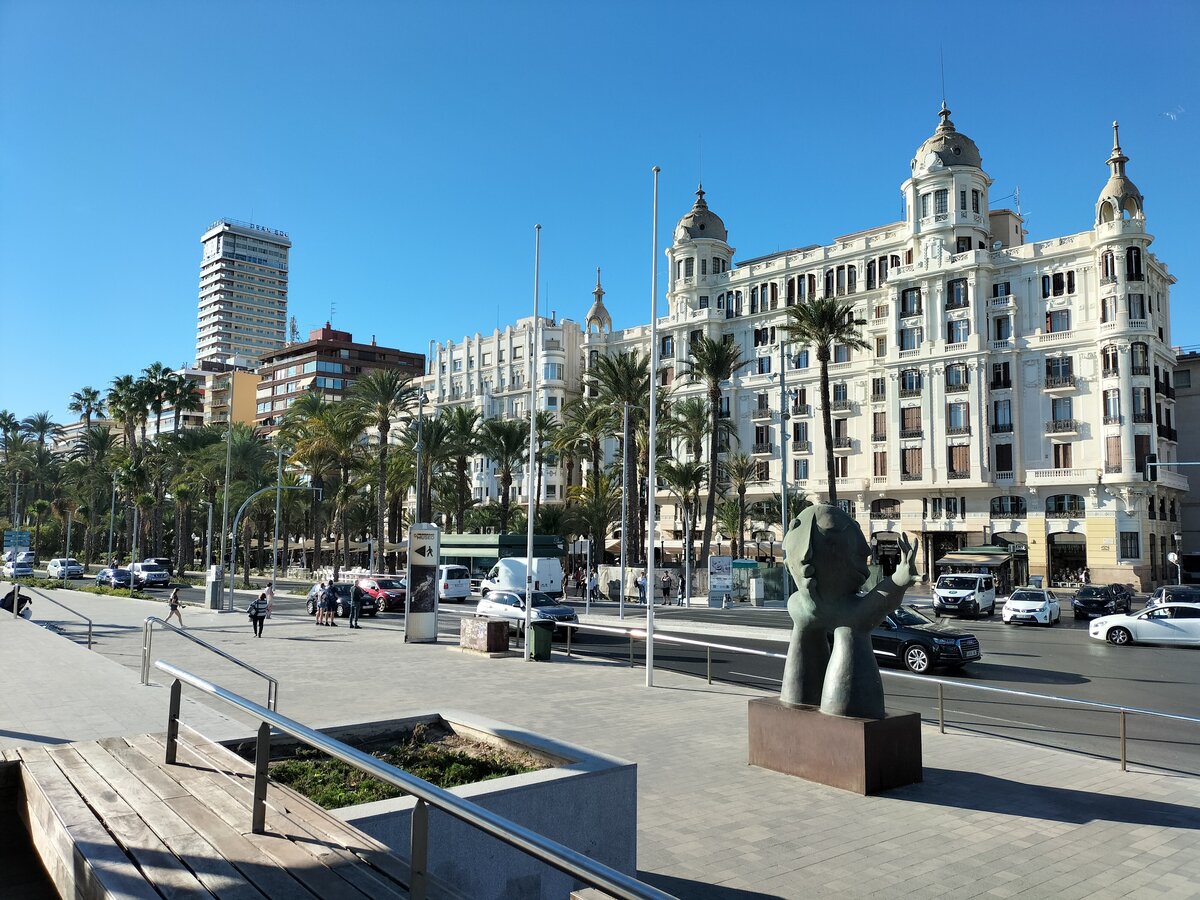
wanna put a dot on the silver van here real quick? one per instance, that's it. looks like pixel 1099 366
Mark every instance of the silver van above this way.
pixel 965 593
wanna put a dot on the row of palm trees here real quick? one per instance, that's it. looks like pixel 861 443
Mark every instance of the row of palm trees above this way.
pixel 361 458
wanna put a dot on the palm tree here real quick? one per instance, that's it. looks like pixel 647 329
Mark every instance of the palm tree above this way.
pixel 620 380
pixel 739 470
pixel 684 479
pixel 506 443
pixel 378 397
pixel 587 421
pixel 41 426
pixel 691 421
pixel 87 402
pixel 156 381
pixel 462 423
pixel 39 508
pixel 547 425
pixel 184 396
pixel 598 505
pixel 727 521
pixel 126 407
pixel 712 362
pixel 824 323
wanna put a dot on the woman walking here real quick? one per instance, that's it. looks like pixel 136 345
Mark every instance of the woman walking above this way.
pixel 257 610
pixel 174 604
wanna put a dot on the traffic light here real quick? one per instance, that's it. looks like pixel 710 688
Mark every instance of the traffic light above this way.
pixel 1150 467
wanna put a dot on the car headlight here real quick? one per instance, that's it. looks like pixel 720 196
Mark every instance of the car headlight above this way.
pixel 944 642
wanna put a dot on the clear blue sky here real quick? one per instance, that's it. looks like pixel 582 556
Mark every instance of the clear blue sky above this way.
pixel 409 149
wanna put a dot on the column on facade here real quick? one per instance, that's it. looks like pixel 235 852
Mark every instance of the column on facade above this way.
pixel 1125 364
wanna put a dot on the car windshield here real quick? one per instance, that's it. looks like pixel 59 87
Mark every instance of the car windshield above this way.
pixel 388 584
pixel 1181 595
pixel 539 599
pixel 906 615
pixel 342 588
pixel 72 562
pixel 453 573
pixel 151 567
pixel 1086 593
pixel 957 584
pixel 1027 597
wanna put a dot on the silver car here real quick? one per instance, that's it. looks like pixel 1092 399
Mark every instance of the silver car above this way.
pixel 510 605
pixel 64 568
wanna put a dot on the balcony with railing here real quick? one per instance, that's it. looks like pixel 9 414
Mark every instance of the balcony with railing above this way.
pixel 1113 468
pixel 1070 511
pixel 841 405
pixel 1143 418
pixel 908 393
pixel 911 476
pixel 1002 344
pixel 1139 370
pixel 1135 276
pixel 763 449
pixel 958 474
pixel 1002 301
pixel 1167 433
pixel 1062 426
pixel 957 388
pixel 1003 475
pixel 1054 337
pixel 761 414
pixel 802 446
pixel 958 430
pixel 1059 382
pixel 911 433
pixel 842 442
pixel 1060 476
pixel 878 397
pixel 1000 384
pixel 1111 372
pixel 801 409
pixel 878 437
pixel 1001 428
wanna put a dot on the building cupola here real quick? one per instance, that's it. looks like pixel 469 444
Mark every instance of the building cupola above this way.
pixel 1120 198
pixel 700 223
pixel 598 315
pixel 946 148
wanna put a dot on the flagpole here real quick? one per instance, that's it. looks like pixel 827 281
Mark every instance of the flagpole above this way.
pixel 529 480
pixel 651 476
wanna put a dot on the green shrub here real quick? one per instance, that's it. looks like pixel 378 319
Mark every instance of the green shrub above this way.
pixel 87 587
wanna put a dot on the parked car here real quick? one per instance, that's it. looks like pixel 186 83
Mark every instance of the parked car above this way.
pixel 387 591
pixel 1174 593
pixel 342 610
pixel 1033 605
pixel 907 637
pixel 965 594
pixel 1167 623
pixel 17 569
pixel 113 578
pixel 27 556
pixel 150 575
pixel 508 574
pixel 510 605
pixel 1099 600
pixel 64 568
pixel 454 583
pixel 163 561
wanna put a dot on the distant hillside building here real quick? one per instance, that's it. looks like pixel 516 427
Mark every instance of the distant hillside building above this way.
pixel 329 362
pixel 243 292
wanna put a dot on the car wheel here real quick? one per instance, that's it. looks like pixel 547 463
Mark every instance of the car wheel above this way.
pixel 917 659
pixel 1119 636
pixel 312 608
pixel 340 612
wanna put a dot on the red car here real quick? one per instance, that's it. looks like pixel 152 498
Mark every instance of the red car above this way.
pixel 388 591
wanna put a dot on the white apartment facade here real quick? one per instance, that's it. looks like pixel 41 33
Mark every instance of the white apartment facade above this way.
pixel 243 292
pixel 491 374
pixel 1011 393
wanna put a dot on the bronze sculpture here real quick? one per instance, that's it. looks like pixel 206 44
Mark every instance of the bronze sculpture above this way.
pixel 830 662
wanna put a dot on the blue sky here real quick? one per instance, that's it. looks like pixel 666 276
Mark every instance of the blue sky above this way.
pixel 409 149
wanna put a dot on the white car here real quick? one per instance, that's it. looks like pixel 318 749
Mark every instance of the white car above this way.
pixel 1169 623
pixel 64 568
pixel 17 570
pixel 1174 593
pixel 510 605
pixel 1033 605
pixel 454 583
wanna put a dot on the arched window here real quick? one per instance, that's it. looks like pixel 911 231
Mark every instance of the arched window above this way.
pixel 1008 508
pixel 885 508
pixel 1108 264
pixel 774 295
pixel 791 291
pixel 829 282
pixel 753 300
pixel 1109 357
pixel 1064 506
pixel 851 279
pixel 871 275
pixel 910 380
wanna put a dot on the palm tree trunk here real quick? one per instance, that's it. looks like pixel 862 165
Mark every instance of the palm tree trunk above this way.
pixel 460 475
pixel 505 488
pixel 827 426
pixel 710 503
pixel 381 489
pixel 741 523
pixel 246 558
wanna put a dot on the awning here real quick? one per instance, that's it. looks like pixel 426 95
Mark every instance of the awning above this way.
pixel 986 560
pixel 1068 537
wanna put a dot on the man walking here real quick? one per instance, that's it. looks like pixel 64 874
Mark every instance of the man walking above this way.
pixel 641 586
pixel 593 586
pixel 330 605
pixel 356 598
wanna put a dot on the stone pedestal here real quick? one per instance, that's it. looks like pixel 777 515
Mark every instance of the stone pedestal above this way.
pixel 483 635
pixel 866 756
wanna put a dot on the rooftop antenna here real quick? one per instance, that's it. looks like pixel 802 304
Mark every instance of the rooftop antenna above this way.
pixel 1017 197
pixel 700 142
pixel 942 62
pixel 332 309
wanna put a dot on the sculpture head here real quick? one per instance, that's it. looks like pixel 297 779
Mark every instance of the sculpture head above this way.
pixel 826 549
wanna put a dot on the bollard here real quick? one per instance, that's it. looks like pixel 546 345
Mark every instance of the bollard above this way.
pixel 708 655
pixel 262 756
pixel 418 885
pixel 1124 761
pixel 941 708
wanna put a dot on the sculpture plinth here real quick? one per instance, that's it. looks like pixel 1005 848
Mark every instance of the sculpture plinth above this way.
pixel 866 756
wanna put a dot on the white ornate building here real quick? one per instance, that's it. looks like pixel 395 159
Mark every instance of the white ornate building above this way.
pixel 1011 393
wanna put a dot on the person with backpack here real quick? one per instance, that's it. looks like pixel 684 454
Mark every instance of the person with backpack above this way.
pixel 356 599
pixel 257 610
pixel 330 605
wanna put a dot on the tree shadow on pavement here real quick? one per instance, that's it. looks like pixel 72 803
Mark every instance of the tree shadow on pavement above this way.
pixel 987 793
pixel 686 889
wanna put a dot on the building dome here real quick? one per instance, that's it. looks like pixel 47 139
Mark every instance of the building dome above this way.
pixel 947 147
pixel 1120 197
pixel 598 316
pixel 701 222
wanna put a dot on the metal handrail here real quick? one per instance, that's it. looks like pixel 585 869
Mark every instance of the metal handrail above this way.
pixel 148 640
pixel 593 873
pixel 942 683
pixel 73 612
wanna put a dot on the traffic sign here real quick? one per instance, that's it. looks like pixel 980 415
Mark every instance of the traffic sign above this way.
pixel 15 540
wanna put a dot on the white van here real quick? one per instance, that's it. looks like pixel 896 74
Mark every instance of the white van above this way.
pixel 454 583
pixel 508 574
pixel 965 593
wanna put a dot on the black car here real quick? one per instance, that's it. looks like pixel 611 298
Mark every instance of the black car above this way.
pixel 342 589
pixel 918 643
pixel 113 578
pixel 1093 600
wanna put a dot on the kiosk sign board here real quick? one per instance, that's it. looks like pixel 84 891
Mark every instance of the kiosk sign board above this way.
pixel 720 580
pixel 421 598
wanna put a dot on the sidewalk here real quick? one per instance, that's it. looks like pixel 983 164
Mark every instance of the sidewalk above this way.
pixel 992 818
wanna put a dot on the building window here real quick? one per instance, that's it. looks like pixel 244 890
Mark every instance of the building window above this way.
pixel 763 365
pixel 910 421
pixel 1001 376
pixel 910 302
pixel 1008 507
pixel 704 302
pixel 941 200
pixel 1112 407
pixel 957 377
pixel 958 460
pixel 925 200
pixel 841 353
pixel 1002 328
pixel 1112 453
pixel 800 470
pixel 800 359
pixel 1001 289
pixel 958 416
pixel 1004 457
pixel 1108 266
pixel 840 392
pixel 1058 284
pixel 881 346
pixel 1137 306
pixel 957 331
pixel 1062 456
pixel 910 338
pixel 880 470
pixel 879 422
pixel 1001 416
pixel 910 380
pixel 1058 320
pixel 879 387
pixel 975 201
pixel 910 462
pixel 689 267
pixel 870 274
pixel 1130 545
pixel 1139 358
pixel 1133 263
pixel 962 200
pixel 956 294
pixel 1108 309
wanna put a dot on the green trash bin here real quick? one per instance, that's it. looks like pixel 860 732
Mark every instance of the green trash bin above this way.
pixel 541 639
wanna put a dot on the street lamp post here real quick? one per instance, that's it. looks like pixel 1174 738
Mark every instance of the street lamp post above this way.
pixel 420 449
pixel 1178 539
pixel 225 503
pixel 112 513
pixel 651 477
pixel 530 481
pixel 278 507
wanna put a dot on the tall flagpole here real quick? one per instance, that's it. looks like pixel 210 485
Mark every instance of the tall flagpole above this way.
pixel 529 480
pixel 652 480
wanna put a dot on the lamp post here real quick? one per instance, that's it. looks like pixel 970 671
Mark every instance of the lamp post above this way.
pixel 530 481
pixel 278 507
pixel 1178 539
pixel 112 513
pixel 420 450
pixel 784 417
pixel 624 507
pixel 225 502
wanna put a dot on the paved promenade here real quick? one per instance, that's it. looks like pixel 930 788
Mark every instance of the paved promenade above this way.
pixel 992 818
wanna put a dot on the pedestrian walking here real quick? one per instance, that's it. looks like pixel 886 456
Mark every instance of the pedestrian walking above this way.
pixel 356 599
pixel 593 586
pixel 666 588
pixel 319 604
pixel 173 604
pixel 330 605
pixel 641 586
pixel 270 597
pixel 579 582
pixel 257 611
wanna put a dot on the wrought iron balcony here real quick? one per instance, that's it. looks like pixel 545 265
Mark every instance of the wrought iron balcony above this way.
pixel 802 446
pixel 1001 384
pixel 878 437
pixel 1143 418
pixel 1066 512
pixel 1062 426
pixel 957 388
pixel 1140 370
pixel 761 413
pixel 841 405
pixel 1002 428
pixel 907 433
pixel 911 476
pixel 1112 420
pixel 906 393
pixel 957 476
pixel 801 409
pixel 1057 382
pixel 878 398
pixel 956 430
pixel 764 448
pixel 1113 468
pixel 843 443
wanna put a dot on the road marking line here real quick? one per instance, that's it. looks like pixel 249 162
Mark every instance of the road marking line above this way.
pixel 759 677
